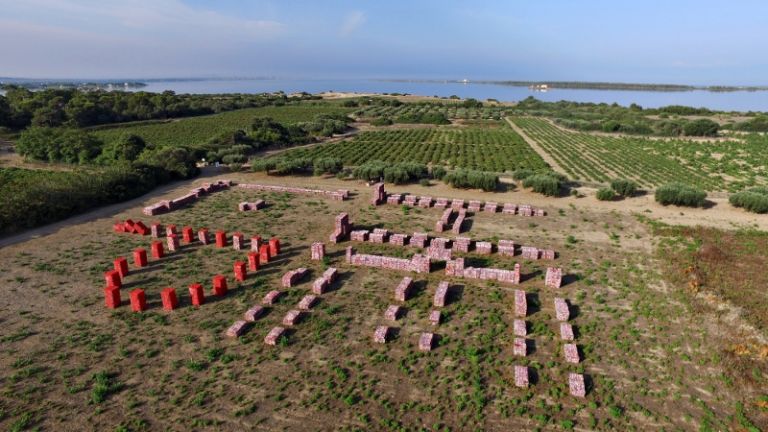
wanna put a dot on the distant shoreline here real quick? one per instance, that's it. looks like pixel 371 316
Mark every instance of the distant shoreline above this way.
pixel 586 85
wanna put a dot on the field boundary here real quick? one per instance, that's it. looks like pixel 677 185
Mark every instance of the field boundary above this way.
pixel 535 146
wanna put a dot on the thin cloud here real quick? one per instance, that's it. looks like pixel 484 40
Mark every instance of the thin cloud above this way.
pixel 352 22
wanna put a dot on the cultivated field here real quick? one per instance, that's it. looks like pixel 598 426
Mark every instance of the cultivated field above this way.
pixel 195 131
pixel 655 360
pixel 711 165
pixel 451 111
pixel 490 149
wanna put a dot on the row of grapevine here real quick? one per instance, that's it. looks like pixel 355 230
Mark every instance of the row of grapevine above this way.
pixel 497 150
pixel 721 165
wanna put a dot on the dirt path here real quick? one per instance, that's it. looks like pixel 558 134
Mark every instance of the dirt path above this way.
pixel 535 146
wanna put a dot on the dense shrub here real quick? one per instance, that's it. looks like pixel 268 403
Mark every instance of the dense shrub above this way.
pixel 35 197
pixel 470 179
pixel 624 187
pixel 605 194
pixel 754 200
pixel 327 165
pixel 701 127
pixel 548 184
pixel 400 173
pixel 427 118
pixel 522 174
pixel 681 195
pixel 58 145
pixel 438 172
pixel 381 121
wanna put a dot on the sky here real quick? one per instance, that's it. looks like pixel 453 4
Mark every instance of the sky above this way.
pixel 650 41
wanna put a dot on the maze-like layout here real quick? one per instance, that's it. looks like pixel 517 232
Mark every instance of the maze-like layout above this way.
pixel 259 253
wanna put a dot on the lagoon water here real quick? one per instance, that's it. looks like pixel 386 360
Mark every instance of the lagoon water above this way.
pixel 727 101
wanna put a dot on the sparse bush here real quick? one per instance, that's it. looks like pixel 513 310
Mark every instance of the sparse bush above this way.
pixel 605 194
pixel 522 174
pixel 681 195
pixel 754 200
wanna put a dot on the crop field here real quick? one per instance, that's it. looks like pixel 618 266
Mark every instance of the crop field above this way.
pixel 713 166
pixel 194 131
pixel 450 111
pixel 69 363
pixel 488 149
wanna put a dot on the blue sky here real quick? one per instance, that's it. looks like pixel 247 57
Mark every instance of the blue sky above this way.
pixel 681 41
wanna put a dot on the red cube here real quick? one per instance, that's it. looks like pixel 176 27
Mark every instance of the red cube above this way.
pixel 240 271
pixel 157 249
pixel 170 229
pixel 140 228
pixel 118 227
pixel 264 254
pixel 170 302
pixel 112 297
pixel 113 278
pixel 188 234
pixel 253 261
pixel 202 235
pixel 121 266
pixel 219 285
pixel 255 243
pixel 221 239
pixel 128 226
pixel 138 300
pixel 197 294
pixel 274 246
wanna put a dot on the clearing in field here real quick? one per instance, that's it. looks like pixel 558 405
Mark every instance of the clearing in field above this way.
pixel 649 359
pixel 711 165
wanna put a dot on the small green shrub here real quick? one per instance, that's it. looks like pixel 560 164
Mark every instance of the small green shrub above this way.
pixel 754 200
pixel 624 187
pixel 681 195
pixel 546 184
pixel 605 194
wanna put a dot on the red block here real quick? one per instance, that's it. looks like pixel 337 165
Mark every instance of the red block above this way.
pixel 219 285
pixel 113 278
pixel 274 246
pixel 221 239
pixel 121 265
pixel 128 226
pixel 140 228
pixel 140 257
pixel 112 297
pixel 255 243
pixel 253 261
pixel 118 227
pixel 197 294
pixel 264 254
pixel 170 229
pixel 157 249
pixel 170 302
pixel 138 300
pixel 241 273
pixel 188 234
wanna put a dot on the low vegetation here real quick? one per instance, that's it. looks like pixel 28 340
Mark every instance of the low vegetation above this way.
pixel 680 195
pixel 754 200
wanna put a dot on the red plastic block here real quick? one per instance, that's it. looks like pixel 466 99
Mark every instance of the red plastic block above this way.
pixel 170 302
pixel 112 297
pixel 170 229
pixel 202 235
pixel 219 285
pixel 253 261
pixel 113 278
pixel 157 249
pixel 140 228
pixel 118 227
pixel 188 234
pixel 264 254
pixel 140 257
pixel 255 243
pixel 241 273
pixel 128 226
pixel 274 246
pixel 221 239
pixel 197 294
pixel 121 266
pixel 138 300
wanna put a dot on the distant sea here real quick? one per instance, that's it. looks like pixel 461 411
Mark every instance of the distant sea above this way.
pixel 726 101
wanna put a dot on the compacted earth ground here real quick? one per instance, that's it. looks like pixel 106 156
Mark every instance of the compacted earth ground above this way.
pixel 661 349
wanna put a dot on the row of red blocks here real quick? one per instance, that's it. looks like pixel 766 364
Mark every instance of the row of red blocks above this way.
pixel 168 295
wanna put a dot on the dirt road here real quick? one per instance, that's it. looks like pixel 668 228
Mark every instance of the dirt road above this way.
pixel 535 146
